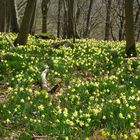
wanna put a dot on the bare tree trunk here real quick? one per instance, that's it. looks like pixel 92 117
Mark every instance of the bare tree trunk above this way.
pixel 2 15
pixel 65 20
pixel 32 26
pixel 59 17
pixel 65 26
pixel 108 14
pixel 70 18
pixel 122 20
pixel 74 21
pixel 111 30
pixel 44 8
pixel 14 17
pixel 77 17
pixel 121 29
pixel 21 5
pixel 88 19
pixel 138 33
pixel 8 16
pixel 137 22
pixel 21 8
pixel 130 36
pixel 25 25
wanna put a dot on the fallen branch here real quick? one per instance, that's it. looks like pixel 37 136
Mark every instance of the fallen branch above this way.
pixel 131 58
pixel 55 88
pixel 9 41
pixel 34 137
pixel 43 77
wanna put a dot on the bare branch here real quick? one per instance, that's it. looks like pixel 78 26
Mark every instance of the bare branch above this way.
pixel 9 41
pixel 43 77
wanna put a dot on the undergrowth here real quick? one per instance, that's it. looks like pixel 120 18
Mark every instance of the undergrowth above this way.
pixel 99 96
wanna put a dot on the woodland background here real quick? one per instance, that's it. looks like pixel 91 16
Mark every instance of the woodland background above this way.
pixel 99 19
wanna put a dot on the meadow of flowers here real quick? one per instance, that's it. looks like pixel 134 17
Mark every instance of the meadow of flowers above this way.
pixel 99 96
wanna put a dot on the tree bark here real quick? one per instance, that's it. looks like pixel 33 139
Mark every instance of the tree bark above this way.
pixel 65 20
pixel 122 20
pixel 70 32
pixel 108 14
pixel 32 25
pixel 44 8
pixel 137 22
pixel 2 15
pixel 25 25
pixel 130 36
pixel 8 16
pixel 88 19
pixel 14 17
pixel 59 17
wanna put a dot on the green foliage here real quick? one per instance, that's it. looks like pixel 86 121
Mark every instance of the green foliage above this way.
pixel 100 91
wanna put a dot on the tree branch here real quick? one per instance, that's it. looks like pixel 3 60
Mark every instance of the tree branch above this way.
pixel 43 77
pixel 8 40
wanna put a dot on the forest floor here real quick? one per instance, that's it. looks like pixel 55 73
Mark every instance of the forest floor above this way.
pixel 93 91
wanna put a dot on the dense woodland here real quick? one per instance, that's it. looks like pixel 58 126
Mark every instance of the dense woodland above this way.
pixel 69 69
pixel 106 19
pixel 100 19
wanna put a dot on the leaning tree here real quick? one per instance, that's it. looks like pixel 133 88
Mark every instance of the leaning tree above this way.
pixel 26 22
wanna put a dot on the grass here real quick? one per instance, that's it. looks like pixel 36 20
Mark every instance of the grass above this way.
pixel 99 95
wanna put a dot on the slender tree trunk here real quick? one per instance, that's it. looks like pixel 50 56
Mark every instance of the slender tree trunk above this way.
pixel 137 22
pixel 111 30
pixel 65 20
pixel 130 36
pixel 138 33
pixel 59 17
pixel 121 29
pixel 121 20
pixel 14 17
pixel 65 25
pixel 70 18
pixel 32 26
pixel 8 16
pixel 74 22
pixel 88 19
pixel 44 9
pixel 2 15
pixel 25 25
pixel 77 17
pixel 108 16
